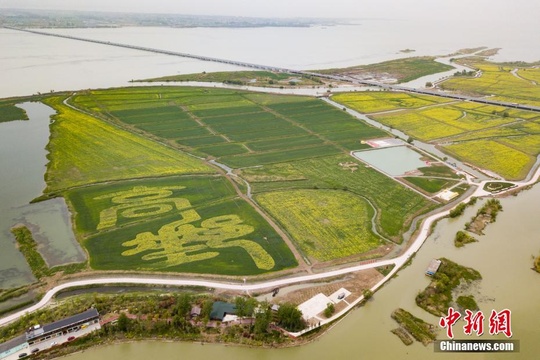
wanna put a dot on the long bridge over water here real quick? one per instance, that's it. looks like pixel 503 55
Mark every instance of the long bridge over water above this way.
pixel 291 71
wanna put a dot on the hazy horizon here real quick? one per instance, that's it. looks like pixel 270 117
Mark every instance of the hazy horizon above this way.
pixel 350 9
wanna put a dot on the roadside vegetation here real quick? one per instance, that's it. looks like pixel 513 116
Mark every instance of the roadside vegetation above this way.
pixel 402 70
pixel 495 187
pixel 413 326
pixel 437 297
pixel 460 208
pixel 132 316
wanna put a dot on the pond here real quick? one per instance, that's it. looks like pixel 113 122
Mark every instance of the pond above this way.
pixel 393 161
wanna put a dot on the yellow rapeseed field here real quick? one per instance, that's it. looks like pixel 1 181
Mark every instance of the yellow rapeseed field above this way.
pixel 87 150
pixel 377 101
pixel 326 224
pixel 504 160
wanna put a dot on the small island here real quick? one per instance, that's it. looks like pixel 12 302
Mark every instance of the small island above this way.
pixel 486 214
pixel 410 325
pixel 462 238
pixel 437 297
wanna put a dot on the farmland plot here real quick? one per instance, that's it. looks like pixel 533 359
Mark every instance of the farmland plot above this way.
pixel 325 224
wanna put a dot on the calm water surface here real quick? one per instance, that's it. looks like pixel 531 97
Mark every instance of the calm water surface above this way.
pixel 23 161
pixel 396 160
pixel 62 64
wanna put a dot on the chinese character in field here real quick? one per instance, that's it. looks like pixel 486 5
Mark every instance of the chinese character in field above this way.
pixel 499 322
pixel 179 242
pixel 449 321
pixel 474 322
pixel 140 201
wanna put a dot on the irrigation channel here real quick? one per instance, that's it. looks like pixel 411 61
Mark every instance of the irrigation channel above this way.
pixel 291 71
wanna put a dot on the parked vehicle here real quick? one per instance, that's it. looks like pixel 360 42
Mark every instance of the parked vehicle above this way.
pixel 71 338
pixel 23 355
pixel 34 350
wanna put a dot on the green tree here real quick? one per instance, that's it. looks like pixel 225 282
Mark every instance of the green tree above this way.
pixel 240 304
pixel 245 307
pixel 123 323
pixel 290 318
pixel 330 310
pixel 206 308
pixel 263 317
pixel 183 305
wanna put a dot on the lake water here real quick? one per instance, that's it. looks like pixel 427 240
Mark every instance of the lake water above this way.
pixel 62 64
pixel 23 161
pixel 396 160
pixel 32 63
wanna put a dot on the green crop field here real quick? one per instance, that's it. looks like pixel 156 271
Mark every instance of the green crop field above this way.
pixel 86 150
pixel 325 224
pixel 396 205
pixel 238 128
pixel 429 185
pixel 438 171
pixel 177 224
pixel 281 144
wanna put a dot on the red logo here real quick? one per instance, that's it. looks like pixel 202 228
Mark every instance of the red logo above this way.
pixel 499 322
